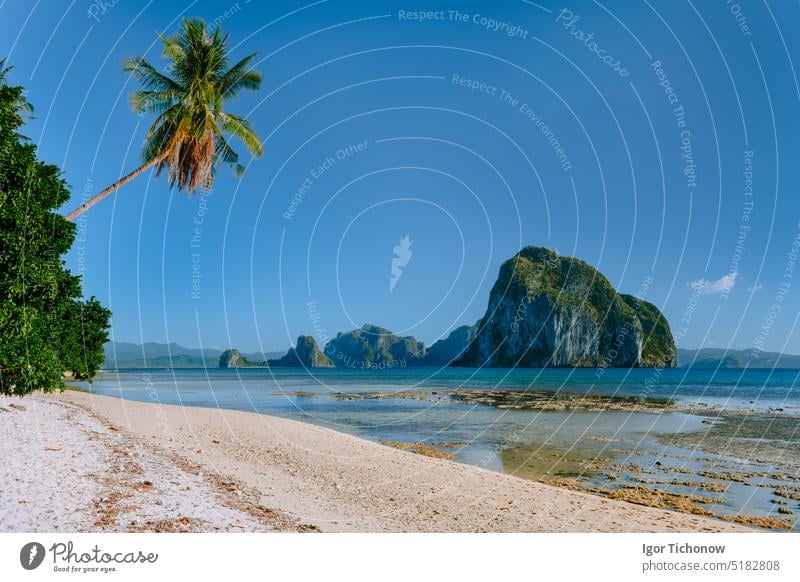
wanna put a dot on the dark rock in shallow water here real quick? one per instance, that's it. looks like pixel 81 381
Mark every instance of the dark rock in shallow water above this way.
pixel 551 311
pixel 373 347
pixel 306 354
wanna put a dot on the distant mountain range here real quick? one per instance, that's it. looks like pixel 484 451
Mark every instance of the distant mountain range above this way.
pixel 721 358
pixel 158 355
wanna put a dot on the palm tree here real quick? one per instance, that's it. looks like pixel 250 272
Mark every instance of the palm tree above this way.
pixel 21 105
pixel 189 136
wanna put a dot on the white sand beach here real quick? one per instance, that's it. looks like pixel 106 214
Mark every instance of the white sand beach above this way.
pixel 80 462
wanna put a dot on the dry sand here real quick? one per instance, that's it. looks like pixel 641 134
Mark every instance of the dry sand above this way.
pixel 80 462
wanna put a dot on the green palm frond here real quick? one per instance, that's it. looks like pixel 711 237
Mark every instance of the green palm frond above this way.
pixel 190 134
pixel 240 76
pixel 242 129
pixel 145 101
pixel 148 75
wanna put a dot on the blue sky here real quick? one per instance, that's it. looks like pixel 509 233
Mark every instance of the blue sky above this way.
pixel 481 129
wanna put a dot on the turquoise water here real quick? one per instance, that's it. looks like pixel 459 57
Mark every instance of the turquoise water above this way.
pixel 485 433
pixel 270 390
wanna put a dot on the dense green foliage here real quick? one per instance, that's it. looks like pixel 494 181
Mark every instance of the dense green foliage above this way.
pixel 46 328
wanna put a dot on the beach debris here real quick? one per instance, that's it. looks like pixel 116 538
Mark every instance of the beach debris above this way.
pixel 707 485
pixel 735 476
pixel 632 468
pixel 765 522
pixel 641 495
pixel 566 482
pixel 541 400
pixel 181 524
pixel 509 399
pixel 420 449
pixel 787 492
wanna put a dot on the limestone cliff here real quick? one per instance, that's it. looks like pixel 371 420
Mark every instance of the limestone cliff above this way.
pixel 305 354
pixel 551 311
pixel 373 347
pixel 447 350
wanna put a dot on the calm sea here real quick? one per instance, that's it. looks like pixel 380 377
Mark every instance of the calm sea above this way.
pixel 486 434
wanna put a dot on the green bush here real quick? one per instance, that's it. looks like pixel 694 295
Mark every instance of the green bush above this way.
pixel 47 329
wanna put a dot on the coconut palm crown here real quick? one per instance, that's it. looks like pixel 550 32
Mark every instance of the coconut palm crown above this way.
pixel 189 137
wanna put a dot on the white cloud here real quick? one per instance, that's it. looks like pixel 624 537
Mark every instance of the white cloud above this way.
pixel 722 285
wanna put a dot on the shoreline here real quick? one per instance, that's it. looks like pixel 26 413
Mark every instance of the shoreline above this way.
pixel 156 467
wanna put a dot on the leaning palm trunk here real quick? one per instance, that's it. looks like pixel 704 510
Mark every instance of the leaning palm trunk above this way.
pixel 121 182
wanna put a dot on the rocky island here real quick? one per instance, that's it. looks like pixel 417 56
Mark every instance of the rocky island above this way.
pixel 544 311
pixel 232 358
pixel 305 354
pixel 373 347
pixel 551 311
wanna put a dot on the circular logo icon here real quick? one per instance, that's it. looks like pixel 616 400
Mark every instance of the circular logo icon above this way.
pixel 31 555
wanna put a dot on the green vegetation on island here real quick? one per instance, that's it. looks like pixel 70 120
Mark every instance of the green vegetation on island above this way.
pixel 305 354
pixel 373 347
